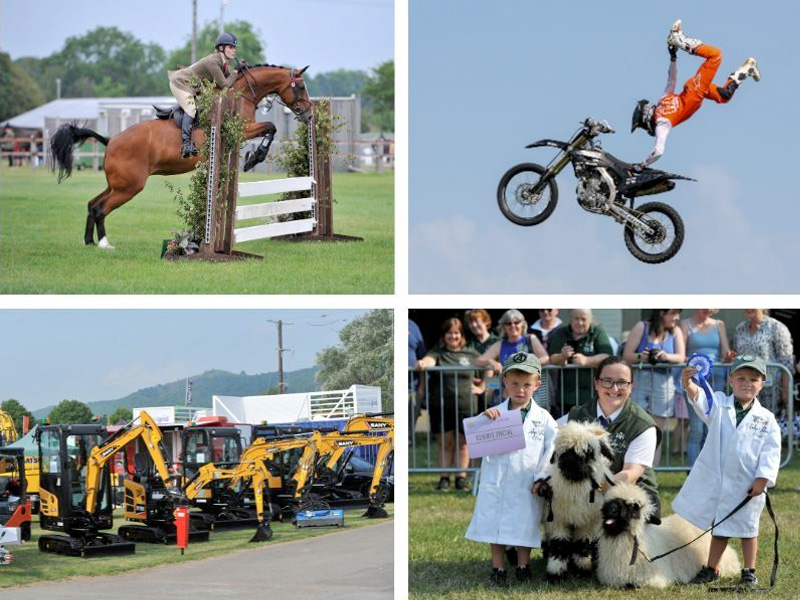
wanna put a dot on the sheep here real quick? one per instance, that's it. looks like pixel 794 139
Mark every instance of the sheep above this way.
pixel 624 531
pixel 581 459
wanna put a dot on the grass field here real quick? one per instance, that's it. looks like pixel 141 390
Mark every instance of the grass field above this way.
pixel 31 566
pixel 443 565
pixel 42 250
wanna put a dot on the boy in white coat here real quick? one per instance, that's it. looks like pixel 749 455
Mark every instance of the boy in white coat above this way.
pixel 508 510
pixel 740 458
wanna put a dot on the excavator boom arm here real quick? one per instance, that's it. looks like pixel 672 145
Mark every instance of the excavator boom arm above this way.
pixel 149 432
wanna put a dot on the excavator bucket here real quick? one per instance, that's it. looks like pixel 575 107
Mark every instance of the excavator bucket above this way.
pixel 375 512
pixel 263 533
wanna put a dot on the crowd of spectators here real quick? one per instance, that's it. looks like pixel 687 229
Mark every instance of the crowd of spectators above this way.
pixel 570 350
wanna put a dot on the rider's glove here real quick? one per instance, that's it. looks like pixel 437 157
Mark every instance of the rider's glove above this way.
pixel 242 66
pixel 639 167
pixel 673 53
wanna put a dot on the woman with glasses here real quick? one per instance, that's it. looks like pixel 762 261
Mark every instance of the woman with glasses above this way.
pixel 634 435
pixel 514 338
pixel 656 342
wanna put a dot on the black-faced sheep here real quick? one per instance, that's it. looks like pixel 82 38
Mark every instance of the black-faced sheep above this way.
pixel 581 459
pixel 625 509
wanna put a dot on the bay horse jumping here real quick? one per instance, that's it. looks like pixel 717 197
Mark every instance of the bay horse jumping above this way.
pixel 154 147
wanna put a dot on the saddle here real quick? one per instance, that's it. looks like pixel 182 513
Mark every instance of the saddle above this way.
pixel 174 112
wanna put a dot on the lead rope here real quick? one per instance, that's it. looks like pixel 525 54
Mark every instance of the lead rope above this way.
pixel 773 578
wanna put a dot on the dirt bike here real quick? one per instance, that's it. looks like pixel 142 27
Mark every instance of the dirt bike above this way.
pixel 654 231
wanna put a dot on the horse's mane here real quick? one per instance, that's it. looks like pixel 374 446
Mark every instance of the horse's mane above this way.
pixel 268 65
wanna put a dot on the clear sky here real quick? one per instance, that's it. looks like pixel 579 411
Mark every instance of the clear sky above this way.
pixel 487 78
pixel 327 34
pixel 51 355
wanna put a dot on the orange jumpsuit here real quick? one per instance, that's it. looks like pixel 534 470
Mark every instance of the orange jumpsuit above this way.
pixel 678 107
pixel 673 109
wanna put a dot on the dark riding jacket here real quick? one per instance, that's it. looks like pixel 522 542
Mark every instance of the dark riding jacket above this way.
pixel 209 67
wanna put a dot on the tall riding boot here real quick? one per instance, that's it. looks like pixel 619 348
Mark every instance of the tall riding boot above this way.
pixel 186 134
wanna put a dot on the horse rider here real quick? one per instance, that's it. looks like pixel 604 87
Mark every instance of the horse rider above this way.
pixel 673 109
pixel 213 67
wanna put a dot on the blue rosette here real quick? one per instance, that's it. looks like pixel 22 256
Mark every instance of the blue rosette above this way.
pixel 704 366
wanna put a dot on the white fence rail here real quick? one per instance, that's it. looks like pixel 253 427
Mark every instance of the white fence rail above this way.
pixel 275 209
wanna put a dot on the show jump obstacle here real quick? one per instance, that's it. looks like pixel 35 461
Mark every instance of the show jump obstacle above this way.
pixel 222 212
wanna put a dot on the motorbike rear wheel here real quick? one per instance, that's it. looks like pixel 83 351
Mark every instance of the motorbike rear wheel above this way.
pixel 667 239
pixel 516 200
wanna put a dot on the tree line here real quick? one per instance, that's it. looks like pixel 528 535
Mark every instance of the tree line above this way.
pixel 107 62
pixel 364 356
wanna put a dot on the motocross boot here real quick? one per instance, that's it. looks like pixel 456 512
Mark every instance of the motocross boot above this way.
pixel 186 135
pixel 748 69
pixel 676 39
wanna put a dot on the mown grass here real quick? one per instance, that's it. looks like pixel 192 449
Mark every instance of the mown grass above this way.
pixel 42 251
pixel 31 566
pixel 443 565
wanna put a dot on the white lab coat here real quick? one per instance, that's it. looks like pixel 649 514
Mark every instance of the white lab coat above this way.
pixel 506 511
pixel 730 461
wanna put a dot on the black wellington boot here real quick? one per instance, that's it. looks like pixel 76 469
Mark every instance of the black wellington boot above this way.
pixel 186 134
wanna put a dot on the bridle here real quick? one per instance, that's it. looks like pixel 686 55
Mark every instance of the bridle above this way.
pixel 296 83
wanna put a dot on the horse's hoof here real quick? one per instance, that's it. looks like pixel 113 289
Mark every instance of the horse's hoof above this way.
pixel 105 245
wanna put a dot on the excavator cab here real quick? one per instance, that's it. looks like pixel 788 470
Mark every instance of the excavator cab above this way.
pixel 64 452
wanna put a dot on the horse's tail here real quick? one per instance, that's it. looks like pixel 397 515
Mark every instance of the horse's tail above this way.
pixel 62 143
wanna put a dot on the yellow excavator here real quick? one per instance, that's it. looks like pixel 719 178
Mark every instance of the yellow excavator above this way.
pixel 253 470
pixel 8 433
pixel 75 485
pixel 64 452
pixel 153 493
pixel 320 458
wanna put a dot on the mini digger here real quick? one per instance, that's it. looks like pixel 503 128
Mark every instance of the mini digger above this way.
pixel 323 463
pixel 71 500
pixel 153 493
pixel 211 449
pixel 75 489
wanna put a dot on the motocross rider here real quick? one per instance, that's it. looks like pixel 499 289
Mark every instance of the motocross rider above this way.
pixel 673 109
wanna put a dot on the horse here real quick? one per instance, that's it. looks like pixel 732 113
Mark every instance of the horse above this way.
pixel 153 147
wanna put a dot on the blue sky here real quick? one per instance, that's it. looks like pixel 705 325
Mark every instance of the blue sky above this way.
pixel 327 34
pixel 487 78
pixel 106 354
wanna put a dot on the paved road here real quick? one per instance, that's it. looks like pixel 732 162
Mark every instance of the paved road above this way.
pixel 348 565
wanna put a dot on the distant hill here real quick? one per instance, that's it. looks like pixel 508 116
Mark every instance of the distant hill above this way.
pixel 210 383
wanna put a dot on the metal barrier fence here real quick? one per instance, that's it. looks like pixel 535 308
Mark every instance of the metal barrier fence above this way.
pixel 657 387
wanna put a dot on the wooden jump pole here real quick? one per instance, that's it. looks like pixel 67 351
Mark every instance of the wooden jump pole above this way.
pixel 220 204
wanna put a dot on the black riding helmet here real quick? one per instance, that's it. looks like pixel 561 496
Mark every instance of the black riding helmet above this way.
pixel 643 117
pixel 226 39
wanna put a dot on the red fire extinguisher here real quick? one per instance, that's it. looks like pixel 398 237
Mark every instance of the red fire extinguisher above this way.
pixel 182 527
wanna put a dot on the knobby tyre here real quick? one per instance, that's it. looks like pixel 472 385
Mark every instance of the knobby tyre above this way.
pixel 516 200
pixel 668 239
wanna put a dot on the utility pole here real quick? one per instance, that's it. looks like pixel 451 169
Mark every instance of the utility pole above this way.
pixel 194 31
pixel 188 400
pixel 222 4
pixel 281 350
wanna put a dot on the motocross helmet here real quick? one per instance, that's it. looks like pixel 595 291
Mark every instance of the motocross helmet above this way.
pixel 226 39
pixel 643 117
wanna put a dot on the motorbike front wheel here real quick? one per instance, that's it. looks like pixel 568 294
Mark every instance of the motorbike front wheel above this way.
pixel 665 240
pixel 517 199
